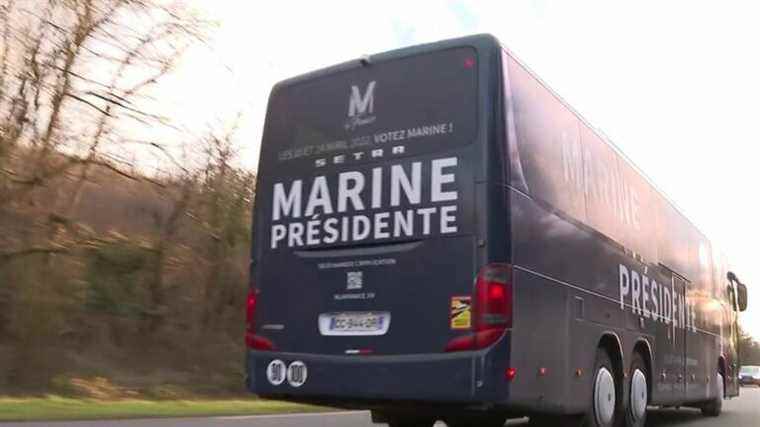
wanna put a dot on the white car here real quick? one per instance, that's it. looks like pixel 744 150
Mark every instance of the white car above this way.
pixel 750 375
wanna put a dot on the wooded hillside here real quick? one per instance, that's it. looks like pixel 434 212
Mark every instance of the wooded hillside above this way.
pixel 109 269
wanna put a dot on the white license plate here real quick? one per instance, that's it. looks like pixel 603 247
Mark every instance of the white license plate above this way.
pixel 354 323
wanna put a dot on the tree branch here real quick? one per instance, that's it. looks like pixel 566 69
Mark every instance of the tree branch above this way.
pixel 88 103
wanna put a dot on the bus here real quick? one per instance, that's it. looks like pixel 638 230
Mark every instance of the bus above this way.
pixel 438 236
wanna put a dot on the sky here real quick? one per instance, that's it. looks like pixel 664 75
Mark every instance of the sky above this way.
pixel 673 84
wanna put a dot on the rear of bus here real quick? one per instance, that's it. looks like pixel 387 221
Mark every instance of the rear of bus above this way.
pixel 380 261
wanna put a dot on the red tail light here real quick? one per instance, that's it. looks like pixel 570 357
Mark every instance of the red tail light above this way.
pixel 492 309
pixel 510 374
pixel 252 340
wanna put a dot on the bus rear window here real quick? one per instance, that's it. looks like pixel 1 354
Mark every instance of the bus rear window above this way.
pixel 425 103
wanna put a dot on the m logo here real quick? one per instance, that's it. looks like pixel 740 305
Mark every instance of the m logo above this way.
pixel 361 105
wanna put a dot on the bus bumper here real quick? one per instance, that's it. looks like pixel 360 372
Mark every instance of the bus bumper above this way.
pixel 440 378
pixel 458 379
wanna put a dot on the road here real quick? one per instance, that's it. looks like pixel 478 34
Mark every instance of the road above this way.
pixel 741 412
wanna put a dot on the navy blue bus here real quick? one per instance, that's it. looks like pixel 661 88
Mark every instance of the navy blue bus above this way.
pixel 438 236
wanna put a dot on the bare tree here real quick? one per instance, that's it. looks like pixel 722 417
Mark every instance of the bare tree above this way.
pixel 78 83
pixel 75 77
pixel 77 80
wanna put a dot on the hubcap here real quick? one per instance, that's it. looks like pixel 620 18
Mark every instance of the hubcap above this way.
pixel 639 394
pixel 604 397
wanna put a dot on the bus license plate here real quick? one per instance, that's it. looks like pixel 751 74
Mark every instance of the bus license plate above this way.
pixel 354 323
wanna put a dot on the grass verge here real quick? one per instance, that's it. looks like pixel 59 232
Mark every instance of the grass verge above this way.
pixel 61 408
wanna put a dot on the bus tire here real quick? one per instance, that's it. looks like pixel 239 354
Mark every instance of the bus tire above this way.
pixel 715 406
pixel 606 406
pixel 638 393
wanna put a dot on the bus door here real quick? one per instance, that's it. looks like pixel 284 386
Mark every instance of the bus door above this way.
pixel 699 365
pixel 732 348
pixel 678 337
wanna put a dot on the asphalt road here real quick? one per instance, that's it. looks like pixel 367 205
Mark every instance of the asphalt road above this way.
pixel 741 412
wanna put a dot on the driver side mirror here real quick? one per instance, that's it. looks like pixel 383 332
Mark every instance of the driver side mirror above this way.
pixel 742 296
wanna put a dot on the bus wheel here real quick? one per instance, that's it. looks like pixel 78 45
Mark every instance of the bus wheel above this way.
pixel 606 404
pixel 715 406
pixel 636 414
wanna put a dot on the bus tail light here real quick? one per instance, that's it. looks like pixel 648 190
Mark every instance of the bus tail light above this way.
pixel 510 374
pixel 492 308
pixel 491 311
pixel 252 340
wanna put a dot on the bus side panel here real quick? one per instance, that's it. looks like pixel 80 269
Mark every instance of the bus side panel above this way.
pixel 585 217
pixel 540 340
pixel 558 323
pixel 576 275
pixel 576 301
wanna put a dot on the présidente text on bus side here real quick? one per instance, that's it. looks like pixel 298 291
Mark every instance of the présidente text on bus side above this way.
pixel 656 301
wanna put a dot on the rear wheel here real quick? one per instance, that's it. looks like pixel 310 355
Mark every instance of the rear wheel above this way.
pixel 715 406
pixel 636 413
pixel 606 402
pixel 606 405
